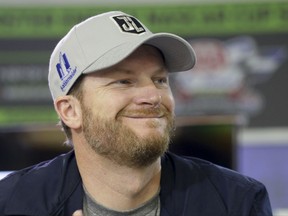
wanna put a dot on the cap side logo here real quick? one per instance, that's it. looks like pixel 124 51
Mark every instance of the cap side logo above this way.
pixel 65 72
pixel 63 62
pixel 129 24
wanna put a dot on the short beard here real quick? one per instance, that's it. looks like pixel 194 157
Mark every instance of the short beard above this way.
pixel 121 145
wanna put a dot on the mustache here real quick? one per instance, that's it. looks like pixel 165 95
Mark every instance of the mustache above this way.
pixel 146 112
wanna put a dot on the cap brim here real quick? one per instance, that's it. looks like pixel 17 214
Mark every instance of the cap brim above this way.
pixel 178 53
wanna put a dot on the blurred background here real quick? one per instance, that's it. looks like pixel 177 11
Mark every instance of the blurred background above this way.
pixel 232 108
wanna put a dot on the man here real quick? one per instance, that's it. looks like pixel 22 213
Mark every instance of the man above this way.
pixel 109 81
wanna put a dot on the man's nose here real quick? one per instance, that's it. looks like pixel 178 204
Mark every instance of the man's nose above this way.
pixel 148 95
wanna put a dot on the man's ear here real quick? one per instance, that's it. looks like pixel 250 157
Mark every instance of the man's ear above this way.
pixel 69 110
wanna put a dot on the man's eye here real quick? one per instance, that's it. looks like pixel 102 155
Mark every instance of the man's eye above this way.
pixel 124 82
pixel 163 80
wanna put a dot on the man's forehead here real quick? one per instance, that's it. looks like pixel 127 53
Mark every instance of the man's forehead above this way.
pixel 123 71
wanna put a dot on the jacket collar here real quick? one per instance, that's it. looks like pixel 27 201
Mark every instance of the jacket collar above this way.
pixel 43 189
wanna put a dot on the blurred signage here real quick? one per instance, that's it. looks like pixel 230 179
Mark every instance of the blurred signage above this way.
pixel 225 73
pixel 184 19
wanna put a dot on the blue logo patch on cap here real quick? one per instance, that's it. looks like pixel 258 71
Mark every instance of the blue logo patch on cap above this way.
pixel 65 71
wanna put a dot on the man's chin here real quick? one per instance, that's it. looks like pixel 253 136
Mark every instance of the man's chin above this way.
pixel 147 125
pixel 144 132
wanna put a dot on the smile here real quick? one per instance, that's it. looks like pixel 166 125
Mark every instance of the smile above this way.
pixel 145 117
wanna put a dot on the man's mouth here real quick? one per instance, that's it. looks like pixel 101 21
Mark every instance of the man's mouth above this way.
pixel 144 116
pixel 144 113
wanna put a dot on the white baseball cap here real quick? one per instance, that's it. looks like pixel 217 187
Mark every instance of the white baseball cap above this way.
pixel 103 41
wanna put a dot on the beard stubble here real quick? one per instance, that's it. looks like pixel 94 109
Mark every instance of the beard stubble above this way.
pixel 115 141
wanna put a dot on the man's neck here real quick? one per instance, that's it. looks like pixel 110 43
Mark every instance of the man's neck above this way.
pixel 117 187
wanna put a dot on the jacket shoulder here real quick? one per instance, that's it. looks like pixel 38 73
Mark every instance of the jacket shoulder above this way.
pixel 230 189
pixel 217 175
pixel 30 185
pixel 8 183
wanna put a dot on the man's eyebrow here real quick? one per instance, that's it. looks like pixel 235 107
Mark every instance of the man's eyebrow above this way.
pixel 163 69
pixel 127 71
pixel 109 71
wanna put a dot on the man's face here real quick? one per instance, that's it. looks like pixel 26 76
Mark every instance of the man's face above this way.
pixel 128 109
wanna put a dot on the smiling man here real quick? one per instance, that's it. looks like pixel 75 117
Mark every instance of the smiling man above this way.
pixel 127 111
pixel 109 79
